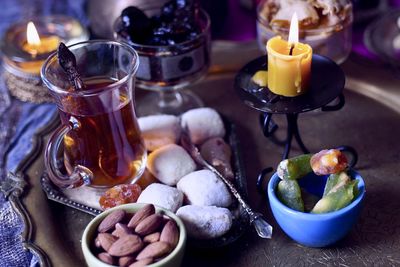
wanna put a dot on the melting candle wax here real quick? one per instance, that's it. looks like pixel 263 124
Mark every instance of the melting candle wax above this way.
pixel 289 63
pixel 36 45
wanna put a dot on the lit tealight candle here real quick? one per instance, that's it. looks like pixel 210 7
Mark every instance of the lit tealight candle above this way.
pixel 289 63
pixel 26 45
pixel 36 45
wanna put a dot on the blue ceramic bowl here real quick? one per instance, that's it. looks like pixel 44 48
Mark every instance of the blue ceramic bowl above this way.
pixel 315 230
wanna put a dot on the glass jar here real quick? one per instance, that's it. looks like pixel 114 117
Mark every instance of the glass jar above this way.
pixel 169 69
pixel 22 69
pixel 332 40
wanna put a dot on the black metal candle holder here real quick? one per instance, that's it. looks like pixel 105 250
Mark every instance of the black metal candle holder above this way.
pixel 326 85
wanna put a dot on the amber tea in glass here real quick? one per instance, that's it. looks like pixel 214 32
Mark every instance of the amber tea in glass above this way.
pixel 100 134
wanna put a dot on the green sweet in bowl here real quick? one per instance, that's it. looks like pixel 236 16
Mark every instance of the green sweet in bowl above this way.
pixel 316 199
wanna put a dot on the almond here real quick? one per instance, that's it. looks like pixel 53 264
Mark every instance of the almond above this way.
pixel 154 250
pixel 109 222
pixel 149 224
pixel 106 240
pixel 141 214
pixel 126 245
pixel 166 219
pixel 105 257
pixel 126 261
pixel 142 263
pixel 170 234
pixel 121 229
pixel 97 242
pixel 151 238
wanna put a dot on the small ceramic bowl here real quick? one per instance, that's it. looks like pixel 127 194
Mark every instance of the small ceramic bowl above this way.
pixel 316 230
pixel 172 260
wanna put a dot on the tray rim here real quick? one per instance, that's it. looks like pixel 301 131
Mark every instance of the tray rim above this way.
pixel 15 186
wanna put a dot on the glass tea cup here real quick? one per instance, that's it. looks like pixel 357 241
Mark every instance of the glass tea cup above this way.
pixel 102 144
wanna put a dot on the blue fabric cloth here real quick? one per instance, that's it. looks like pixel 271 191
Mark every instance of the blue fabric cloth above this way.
pixel 19 121
pixel 33 117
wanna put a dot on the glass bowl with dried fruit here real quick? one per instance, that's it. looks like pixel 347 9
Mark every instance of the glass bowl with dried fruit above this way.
pixel 325 25
pixel 173 40
pixel 134 235
pixel 316 199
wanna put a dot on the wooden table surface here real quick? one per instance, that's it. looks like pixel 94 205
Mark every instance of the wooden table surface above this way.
pixel 369 122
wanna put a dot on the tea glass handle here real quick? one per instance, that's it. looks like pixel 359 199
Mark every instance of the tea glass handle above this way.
pixel 80 174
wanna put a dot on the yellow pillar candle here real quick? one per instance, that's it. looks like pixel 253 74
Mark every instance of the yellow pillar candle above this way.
pixel 289 64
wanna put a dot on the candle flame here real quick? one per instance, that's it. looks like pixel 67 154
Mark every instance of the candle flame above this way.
pixel 32 35
pixel 294 30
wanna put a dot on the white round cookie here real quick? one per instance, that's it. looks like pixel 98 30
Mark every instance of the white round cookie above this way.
pixel 205 222
pixel 202 124
pixel 162 195
pixel 159 130
pixel 170 163
pixel 204 188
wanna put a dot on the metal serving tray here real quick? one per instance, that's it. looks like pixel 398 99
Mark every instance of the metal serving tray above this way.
pixel 368 121
pixel 240 221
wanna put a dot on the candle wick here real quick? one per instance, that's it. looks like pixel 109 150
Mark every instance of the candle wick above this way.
pixel 291 50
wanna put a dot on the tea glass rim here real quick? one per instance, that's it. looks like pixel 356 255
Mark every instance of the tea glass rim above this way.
pixel 330 28
pixel 56 89
pixel 204 32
